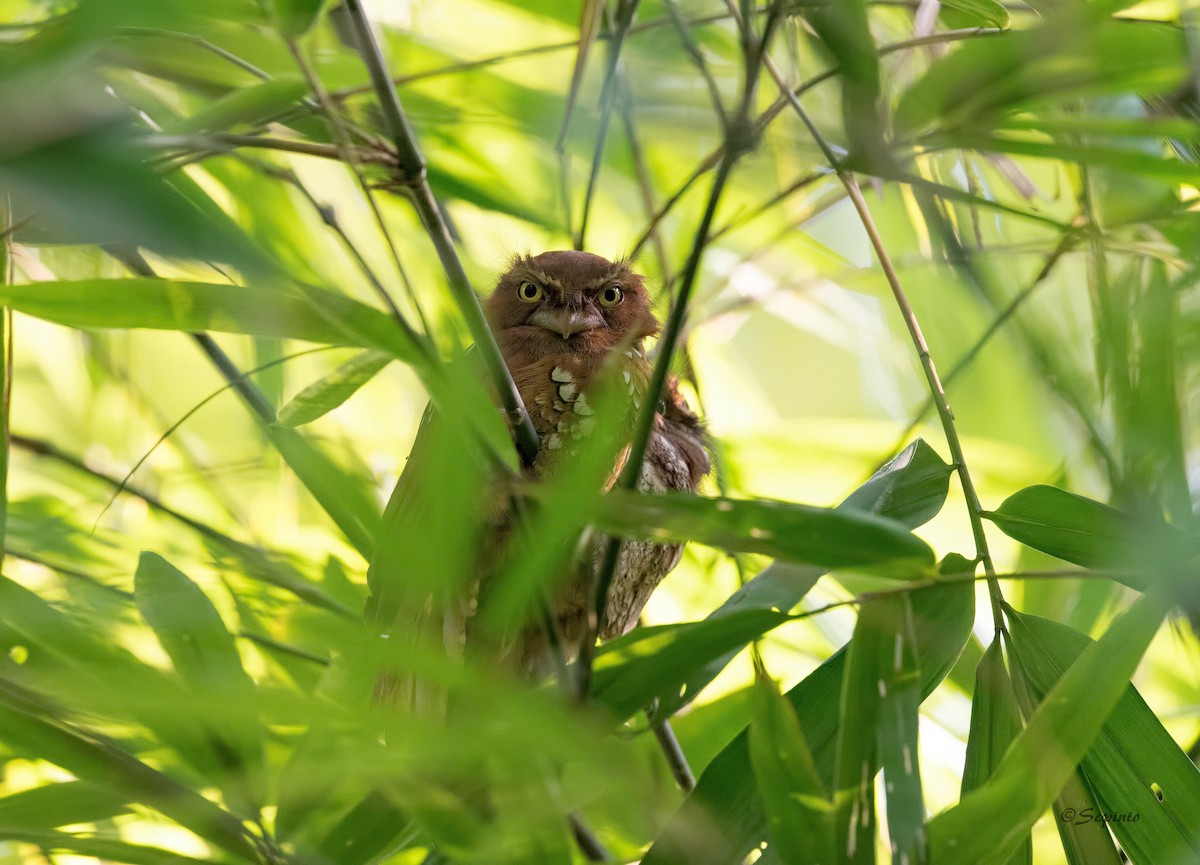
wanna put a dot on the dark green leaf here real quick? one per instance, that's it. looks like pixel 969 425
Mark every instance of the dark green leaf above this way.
pixel 988 823
pixel 829 537
pixel 104 849
pixel 725 797
pixel 249 105
pixel 294 18
pixel 1134 766
pixel 984 13
pixel 798 809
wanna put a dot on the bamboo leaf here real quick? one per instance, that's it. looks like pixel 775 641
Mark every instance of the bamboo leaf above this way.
pixel 248 105
pixel 798 809
pixel 25 726
pixel 105 849
pixel 206 657
pixel 162 304
pixel 329 392
pixel 988 823
pixel 61 804
pixel 995 722
pixel 829 537
pixel 1068 54
pixel 983 13
pixel 725 797
pixel 294 18
pixel 878 726
pixel 1134 767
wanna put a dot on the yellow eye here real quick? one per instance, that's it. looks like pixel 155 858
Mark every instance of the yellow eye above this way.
pixel 530 292
pixel 611 295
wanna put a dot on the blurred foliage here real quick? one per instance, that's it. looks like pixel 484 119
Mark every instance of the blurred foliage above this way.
pixel 228 297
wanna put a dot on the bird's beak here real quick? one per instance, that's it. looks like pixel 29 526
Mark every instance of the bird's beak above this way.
pixel 567 322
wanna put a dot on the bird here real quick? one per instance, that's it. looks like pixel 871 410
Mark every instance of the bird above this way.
pixel 559 317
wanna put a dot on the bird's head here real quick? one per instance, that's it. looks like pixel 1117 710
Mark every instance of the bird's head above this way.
pixel 572 301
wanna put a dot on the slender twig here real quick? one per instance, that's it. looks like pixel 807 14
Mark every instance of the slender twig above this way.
pixel 763 120
pixel 693 49
pixel 345 146
pixel 685 779
pixel 221 141
pixel 188 415
pixel 284 648
pixel 936 389
pixel 411 174
pixel 1065 244
pixel 608 95
pixel 739 139
pixel 200 42
pixel 587 841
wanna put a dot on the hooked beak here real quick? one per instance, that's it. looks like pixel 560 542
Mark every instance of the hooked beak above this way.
pixel 567 322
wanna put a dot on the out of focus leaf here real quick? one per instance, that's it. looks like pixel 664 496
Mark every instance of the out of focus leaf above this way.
pixel 61 804
pixel 984 13
pixel 798 809
pixel 104 849
pixel 989 822
pixel 329 392
pixel 162 304
pixel 246 106
pixel 206 657
pixel 829 537
pixel 725 800
pixel 294 18
pixel 1073 55
pixel 25 726
pixel 1134 765
pixel 94 189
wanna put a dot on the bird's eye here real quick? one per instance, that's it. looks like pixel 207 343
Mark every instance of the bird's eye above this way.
pixel 611 295
pixel 530 292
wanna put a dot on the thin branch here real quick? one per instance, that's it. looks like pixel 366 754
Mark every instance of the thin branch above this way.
pixel 200 42
pixel 645 183
pixel 676 760
pixel 242 376
pixel 1064 246
pixel 347 149
pixel 222 141
pixel 7 277
pixel 608 95
pixel 739 139
pixel 693 50
pixel 936 389
pixel 410 167
pixel 777 107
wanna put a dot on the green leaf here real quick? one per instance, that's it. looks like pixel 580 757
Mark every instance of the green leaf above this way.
pixel 1085 839
pixel 94 189
pixel 163 304
pixel 983 13
pixel 26 727
pixel 798 809
pixel 829 537
pixel 1088 533
pixel 1134 766
pixel 294 18
pixel 249 105
pixel 206 657
pixel 878 726
pixel 329 392
pixel 995 722
pixel 650 663
pixel 726 799
pixel 61 804
pixel 989 823
pixel 1066 55
pixel 910 488
pixel 844 29
pixel 105 849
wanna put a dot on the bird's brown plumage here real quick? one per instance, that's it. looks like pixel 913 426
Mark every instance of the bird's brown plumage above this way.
pixel 559 317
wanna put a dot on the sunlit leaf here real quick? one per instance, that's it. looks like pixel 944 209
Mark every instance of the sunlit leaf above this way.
pixel 330 391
